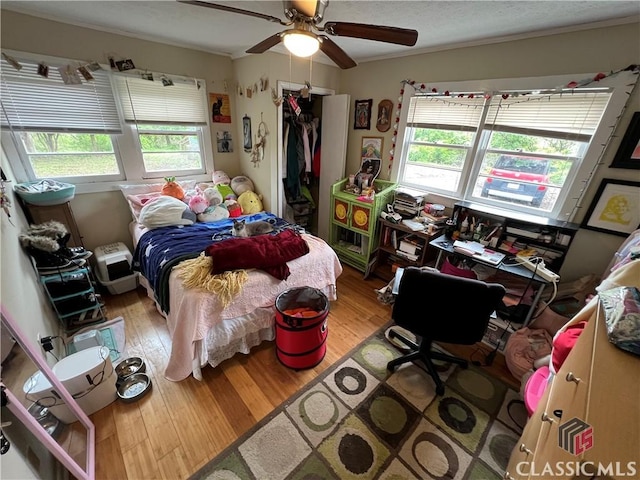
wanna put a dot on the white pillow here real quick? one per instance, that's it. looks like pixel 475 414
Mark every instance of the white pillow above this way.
pixel 130 193
pixel 164 211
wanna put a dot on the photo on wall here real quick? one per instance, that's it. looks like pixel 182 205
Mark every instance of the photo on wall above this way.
pixel 224 141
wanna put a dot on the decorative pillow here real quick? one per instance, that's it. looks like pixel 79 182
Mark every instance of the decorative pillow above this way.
pixel 145 189
pixel 165 211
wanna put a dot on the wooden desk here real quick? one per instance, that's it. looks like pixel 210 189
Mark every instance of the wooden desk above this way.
pixel 445 245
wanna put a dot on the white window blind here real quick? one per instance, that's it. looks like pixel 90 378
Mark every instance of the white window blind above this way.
pixel 34 103
pixel 461 113
pixel 145 101
pixel 570 114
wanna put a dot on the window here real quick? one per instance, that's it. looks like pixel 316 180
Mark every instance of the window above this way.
pixel 96 133
pixel 168 120
pixel 517 149
pixel 60 129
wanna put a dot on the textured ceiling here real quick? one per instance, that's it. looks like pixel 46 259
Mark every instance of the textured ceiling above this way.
pixel 441 24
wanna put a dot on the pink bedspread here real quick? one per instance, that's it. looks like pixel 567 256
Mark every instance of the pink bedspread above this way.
pixel 194 312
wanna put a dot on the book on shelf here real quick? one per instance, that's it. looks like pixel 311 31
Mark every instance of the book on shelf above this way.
pixel 407 256
pixel 410 245
pixel 478 251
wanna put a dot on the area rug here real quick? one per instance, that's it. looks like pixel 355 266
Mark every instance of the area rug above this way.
pixel 359 421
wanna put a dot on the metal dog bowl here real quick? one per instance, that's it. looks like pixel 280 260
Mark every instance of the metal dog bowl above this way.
pixel 134 387
pixel 46 419
pixel 129 366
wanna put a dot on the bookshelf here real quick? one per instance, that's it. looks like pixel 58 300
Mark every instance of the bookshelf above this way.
pixel 400 246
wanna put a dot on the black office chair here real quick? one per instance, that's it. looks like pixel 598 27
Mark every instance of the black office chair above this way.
pixel 445 308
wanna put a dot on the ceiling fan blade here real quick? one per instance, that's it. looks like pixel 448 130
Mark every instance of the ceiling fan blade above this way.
pixel 226 8
pixel 400 36
pixel 267 43
pixel 335 53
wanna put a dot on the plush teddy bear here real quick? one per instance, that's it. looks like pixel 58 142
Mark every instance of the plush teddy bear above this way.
pixel 250 202
pixel 241 184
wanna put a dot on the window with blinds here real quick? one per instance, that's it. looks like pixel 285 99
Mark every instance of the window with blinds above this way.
pixel 168 117
pixel 503 148
pixel 61 129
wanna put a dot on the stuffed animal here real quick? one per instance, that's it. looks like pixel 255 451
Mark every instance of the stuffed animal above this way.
pixel 213 196
pixel 241 184
pixel 221 181
pixel 214 213
pixel 235 210
pixel 198 203
pixel 250 202
pixel 172 188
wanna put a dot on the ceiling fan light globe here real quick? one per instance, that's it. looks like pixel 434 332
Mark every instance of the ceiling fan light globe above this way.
pixel 301 44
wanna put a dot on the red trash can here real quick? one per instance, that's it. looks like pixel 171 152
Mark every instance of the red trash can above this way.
pixel 301 327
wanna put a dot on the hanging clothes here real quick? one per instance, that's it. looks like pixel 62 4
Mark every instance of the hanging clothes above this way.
pixel 293 169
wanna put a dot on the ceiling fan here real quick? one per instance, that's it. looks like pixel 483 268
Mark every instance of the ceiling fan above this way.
pixel 305 16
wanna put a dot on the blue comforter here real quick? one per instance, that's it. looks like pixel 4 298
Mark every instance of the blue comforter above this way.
pixel 160 249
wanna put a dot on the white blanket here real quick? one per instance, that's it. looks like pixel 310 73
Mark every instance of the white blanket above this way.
pixel 194 312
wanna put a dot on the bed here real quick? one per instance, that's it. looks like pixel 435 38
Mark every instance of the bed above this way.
pixel 203 330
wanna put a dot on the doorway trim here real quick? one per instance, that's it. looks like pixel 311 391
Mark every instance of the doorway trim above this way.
pixel 278 198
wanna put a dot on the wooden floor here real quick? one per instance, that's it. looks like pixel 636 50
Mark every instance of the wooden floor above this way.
pixel 179 427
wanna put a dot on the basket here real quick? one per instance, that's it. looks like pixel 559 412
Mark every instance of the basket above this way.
pixel 63 193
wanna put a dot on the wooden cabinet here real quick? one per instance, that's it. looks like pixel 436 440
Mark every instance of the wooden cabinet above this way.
pixel 354 223
pixel 61 213
pixel 594 399
pixel 391 251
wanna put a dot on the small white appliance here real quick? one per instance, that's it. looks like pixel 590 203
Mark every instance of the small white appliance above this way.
pixel 88 375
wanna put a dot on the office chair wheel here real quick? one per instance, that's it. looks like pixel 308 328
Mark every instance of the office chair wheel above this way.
pixel 440 390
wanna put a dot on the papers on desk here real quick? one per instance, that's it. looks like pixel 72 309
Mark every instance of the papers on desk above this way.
pixel 478 252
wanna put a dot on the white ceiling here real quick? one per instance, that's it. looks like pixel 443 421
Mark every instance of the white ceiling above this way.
pixel 441 24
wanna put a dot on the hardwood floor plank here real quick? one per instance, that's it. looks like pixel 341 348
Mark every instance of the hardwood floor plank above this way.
pixel 179 426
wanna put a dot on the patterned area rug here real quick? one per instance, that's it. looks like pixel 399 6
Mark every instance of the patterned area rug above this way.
pixel 358 421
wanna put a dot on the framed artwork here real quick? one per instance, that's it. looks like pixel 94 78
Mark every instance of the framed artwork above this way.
pixel 246 133
pixel 220 108
pixel 371 147
pixel 385 108
pixel 224 142
pixel 628 154
pixel 362 120
pixel 615 208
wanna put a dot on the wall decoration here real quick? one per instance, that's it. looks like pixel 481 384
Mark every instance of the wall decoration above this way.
pixel 220 108
pixel 257 153
pixel 385 108
pixel 362 119
pixel 224 141
pixel 615 208
pixel 246 133
pixel 628 155
pixel 371 147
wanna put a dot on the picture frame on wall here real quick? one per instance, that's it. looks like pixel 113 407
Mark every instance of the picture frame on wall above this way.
pixel 246 133
pixel 383 122
pixel 615 208
pixel 628 154
pixel 362 114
